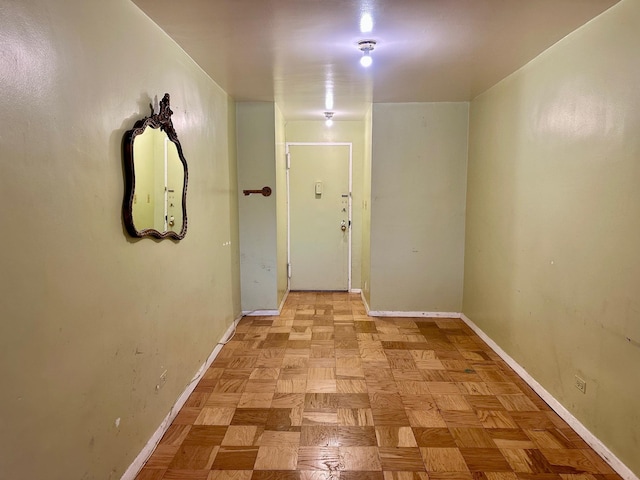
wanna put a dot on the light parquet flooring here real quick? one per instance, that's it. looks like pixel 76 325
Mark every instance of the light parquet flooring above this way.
pixel 324 392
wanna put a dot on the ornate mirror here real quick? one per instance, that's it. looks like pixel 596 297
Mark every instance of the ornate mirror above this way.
pixel 155 177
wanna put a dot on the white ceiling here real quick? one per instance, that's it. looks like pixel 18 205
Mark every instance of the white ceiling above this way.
pixel 295 52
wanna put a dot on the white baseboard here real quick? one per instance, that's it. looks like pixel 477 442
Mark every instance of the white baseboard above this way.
pixel 145 453
pixel 387 313
pixel 593 441
pixel 260 313
pixel 355 290
pixel 284 299
pixel 364 300
pixel 267 313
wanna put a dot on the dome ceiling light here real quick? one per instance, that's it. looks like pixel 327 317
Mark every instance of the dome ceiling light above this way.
pixel 366 46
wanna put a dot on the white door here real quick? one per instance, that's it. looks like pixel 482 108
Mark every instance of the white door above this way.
pixel 319 216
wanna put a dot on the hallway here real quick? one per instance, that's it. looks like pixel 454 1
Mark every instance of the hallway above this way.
pixel 326 392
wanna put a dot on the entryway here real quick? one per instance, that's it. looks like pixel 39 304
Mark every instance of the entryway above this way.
pixel 319 198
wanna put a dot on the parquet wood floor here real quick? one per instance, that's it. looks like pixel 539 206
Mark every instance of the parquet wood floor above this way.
pixel 324 392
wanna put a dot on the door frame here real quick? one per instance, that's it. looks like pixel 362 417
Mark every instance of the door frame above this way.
pixel 349 202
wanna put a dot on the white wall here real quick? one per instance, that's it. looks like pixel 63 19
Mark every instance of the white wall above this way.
pixel 418 182
pixel 552 264
pixel 91 317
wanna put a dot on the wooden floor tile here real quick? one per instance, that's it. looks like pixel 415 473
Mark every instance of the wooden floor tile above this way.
pixel 388 436
pixel 354 436
pixel 277 457
pixel 443 460
pixel 355 417
pixel 230 475
pixel 319 435
pixel 321 386
pixel 235 458
pixel 472 438
pixel 193 457
pixel 242 435
pixel 320 402
pixel 324 392
pixel 274 437
pixel 186 474
pixel 215 416
pixel 287 400
pixel 353 400
pixel 452 402
pixel 320 418
pixel 426 418
pixel 460 419
pixel 389 475
pixel 319 458
pixel 401 459
pixel 275 475
pixel 381 400
pixel 151 474
pixel 250 416
pixel 255 400
pixel 175 435
pixel 434 437
pixel 204 435
pixel 162 456
pixel 485 460
pixel 187 416
pixel 568 461
pixel 526 461
pixel 360 458
pixel 223 400
pixel 511 438
pixel 351 386
pixel 496 419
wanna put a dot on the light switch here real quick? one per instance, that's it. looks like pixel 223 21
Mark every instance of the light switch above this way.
pixel 318 188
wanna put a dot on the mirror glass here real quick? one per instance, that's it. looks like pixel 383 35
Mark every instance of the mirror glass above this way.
pixel 157 200
pixel 156 178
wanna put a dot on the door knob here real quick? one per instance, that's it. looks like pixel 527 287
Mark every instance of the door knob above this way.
pixel 343 225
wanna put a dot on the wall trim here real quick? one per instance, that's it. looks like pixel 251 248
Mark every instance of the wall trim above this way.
pixel 260 313
pixel 391 313
pixel 364 301
pixel 355 290
pixel 284 299
pixel 593 441
pixel 147 450
pixel 267 313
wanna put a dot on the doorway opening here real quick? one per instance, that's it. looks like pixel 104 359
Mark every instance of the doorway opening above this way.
pixel 319 201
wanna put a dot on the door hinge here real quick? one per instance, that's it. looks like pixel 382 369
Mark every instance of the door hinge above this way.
pixel 288 155
pixel 288 270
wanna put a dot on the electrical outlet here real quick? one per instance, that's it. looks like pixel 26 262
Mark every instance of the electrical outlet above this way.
pixel 580 383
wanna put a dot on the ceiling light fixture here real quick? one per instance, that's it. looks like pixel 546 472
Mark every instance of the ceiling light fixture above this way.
pixel 366 23
pixel 328 100
pixel 366 46
pixel 329 117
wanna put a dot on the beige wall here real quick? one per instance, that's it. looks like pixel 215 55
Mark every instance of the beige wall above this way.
pixel 90 317
pixel 281 205
pixel 256 133
pixel 552 270
pixel 366 209
pixel 341 131
pixel 418 182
